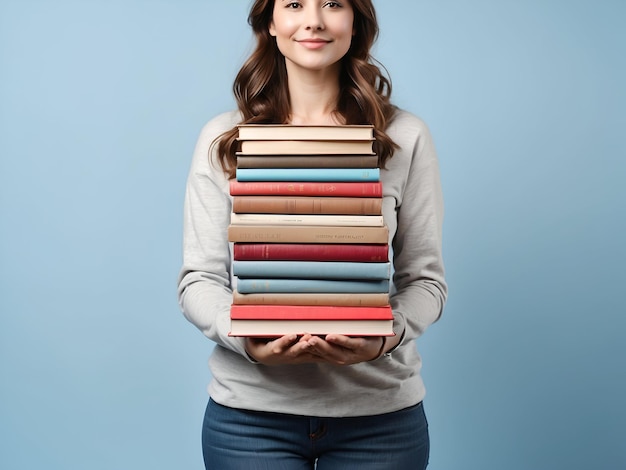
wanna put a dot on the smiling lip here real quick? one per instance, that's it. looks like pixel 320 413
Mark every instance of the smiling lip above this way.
pixel 313 43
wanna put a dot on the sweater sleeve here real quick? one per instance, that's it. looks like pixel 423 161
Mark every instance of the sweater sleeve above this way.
pixel 419 282
pixel 205 281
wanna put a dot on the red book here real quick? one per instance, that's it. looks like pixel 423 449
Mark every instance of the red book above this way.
pixel 279 320
pixel 338 189
pixel 309 312
pixel 312 252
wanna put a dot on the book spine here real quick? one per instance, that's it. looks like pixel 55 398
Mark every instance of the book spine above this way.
pixel 311 252
pixel 248 286
pixel 292 188
pixel 294 132
pixel 309 312
pixel 307 219
pixel 306 147
pixel 311 270
pixel 310 161
pixel 347 299
pixel 307 234
pixel 308 174
pixel 308 205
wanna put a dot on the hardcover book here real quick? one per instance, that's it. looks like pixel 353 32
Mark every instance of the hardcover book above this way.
pixel 357 252
pixel 277 328
pixel 308 174
pixel 304 188
pixel 304 132
pixel 279 320
pixel 307 234
pixel 311 270
pixel 308 205
pixel 249 286
pixel 306 147
pixel 279 298
pixel 307 219
pixel 310 161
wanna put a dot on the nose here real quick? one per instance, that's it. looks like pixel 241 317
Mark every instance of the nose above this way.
pixel 314 19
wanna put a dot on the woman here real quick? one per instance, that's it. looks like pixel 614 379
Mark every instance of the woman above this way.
pixel 336 402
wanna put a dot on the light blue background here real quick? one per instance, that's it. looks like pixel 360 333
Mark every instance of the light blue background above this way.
pixel 100 106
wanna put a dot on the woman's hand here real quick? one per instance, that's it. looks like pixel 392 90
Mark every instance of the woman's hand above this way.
pixel 345 350
pixel 334 349
pixel 284 350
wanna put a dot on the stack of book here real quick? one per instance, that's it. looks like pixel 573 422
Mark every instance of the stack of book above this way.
pixel 310 243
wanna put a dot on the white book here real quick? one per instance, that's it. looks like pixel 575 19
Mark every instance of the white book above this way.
pixel 296 132
pixel 307 147
pixel 307 219
pixel 273 328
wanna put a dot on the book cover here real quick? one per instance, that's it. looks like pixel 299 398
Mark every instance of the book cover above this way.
pixel 304 132
pixel 310 161
pixel 249 286
pixel 307 219
pixel 311 270
pixel 306 147
pixel 311 188
pixel 308 205
pixel 279 298
pixel 307 234
pixel 308 174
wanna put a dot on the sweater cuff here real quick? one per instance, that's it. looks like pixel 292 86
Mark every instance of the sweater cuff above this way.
pixel 242 342
pixel 388 353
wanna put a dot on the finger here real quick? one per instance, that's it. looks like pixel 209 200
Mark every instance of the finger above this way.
pixel 306 337
pixel 348 350
pixel 283 343
pixel 346 342
pixel 334 353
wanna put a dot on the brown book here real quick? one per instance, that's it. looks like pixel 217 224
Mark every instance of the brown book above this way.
pixel 308 205
pixel 307 234
pixel 311 161
pixel 376 299
pixel 306 147
pixel 304 132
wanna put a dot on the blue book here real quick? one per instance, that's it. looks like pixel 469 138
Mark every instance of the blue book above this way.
pixel 312 269
pixel 249 286
pixel 308 174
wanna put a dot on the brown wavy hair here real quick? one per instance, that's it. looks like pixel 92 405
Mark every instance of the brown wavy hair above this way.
pixel 262 95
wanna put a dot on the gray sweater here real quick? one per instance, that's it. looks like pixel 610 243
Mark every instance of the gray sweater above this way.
pixel 413 211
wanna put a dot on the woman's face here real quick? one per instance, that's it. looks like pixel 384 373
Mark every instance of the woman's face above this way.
pixel 312 34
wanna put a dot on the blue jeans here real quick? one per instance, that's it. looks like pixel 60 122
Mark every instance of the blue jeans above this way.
pixel 234 439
